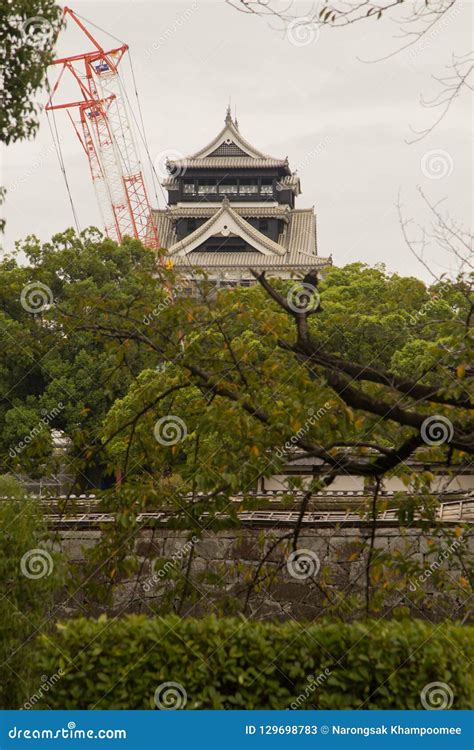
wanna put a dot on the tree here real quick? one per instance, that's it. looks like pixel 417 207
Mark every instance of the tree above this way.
pixel 61 378
pixel 235 352
pixel 30 574
pixel 235 387
pixel 27 36
pixel 187 402
pixel 28 30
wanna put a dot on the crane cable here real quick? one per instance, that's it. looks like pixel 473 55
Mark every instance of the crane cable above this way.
pixel 141 134
pixel 144 138
pixel 57 147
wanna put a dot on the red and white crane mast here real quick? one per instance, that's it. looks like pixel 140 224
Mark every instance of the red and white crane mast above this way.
pixel 102 123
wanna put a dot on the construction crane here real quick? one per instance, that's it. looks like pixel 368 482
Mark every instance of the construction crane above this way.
pixel 101 119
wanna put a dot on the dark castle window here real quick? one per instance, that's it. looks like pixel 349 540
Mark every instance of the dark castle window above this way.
pixel 228 187
pixel 189 187
pixel 267 187
pixel 248 186
pixel 223 245
pixel 207 186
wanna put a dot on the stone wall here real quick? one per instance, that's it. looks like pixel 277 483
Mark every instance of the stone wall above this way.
pixel 331 573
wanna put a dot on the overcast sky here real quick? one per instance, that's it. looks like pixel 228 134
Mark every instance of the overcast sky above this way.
pixel 342 122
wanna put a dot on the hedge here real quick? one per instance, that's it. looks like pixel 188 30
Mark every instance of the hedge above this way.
pixel 234 663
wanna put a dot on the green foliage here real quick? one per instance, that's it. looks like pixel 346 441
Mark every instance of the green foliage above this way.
pixel 28 30
pixel 51 366
pixel 29 576
pixel 237 664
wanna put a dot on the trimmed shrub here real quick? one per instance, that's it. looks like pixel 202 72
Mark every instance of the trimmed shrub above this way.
pixel 234 663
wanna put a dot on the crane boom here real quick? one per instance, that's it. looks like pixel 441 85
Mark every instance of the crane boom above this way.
pixel 102 122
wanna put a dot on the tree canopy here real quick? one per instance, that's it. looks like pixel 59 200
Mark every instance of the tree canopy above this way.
pixel 109 337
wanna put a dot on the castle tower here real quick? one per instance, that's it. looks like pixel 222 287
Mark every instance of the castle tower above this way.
pixel 232 208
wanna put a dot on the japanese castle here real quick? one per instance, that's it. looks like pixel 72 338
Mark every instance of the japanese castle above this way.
pixel 231 208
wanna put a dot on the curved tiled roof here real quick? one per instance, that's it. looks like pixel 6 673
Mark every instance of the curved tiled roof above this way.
pixel 197 260
pixel 225 162
pixel 247 230
pixel 205 211
pixel 290 182
pixel 229 149
pixel 297 242
pixel 230 135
